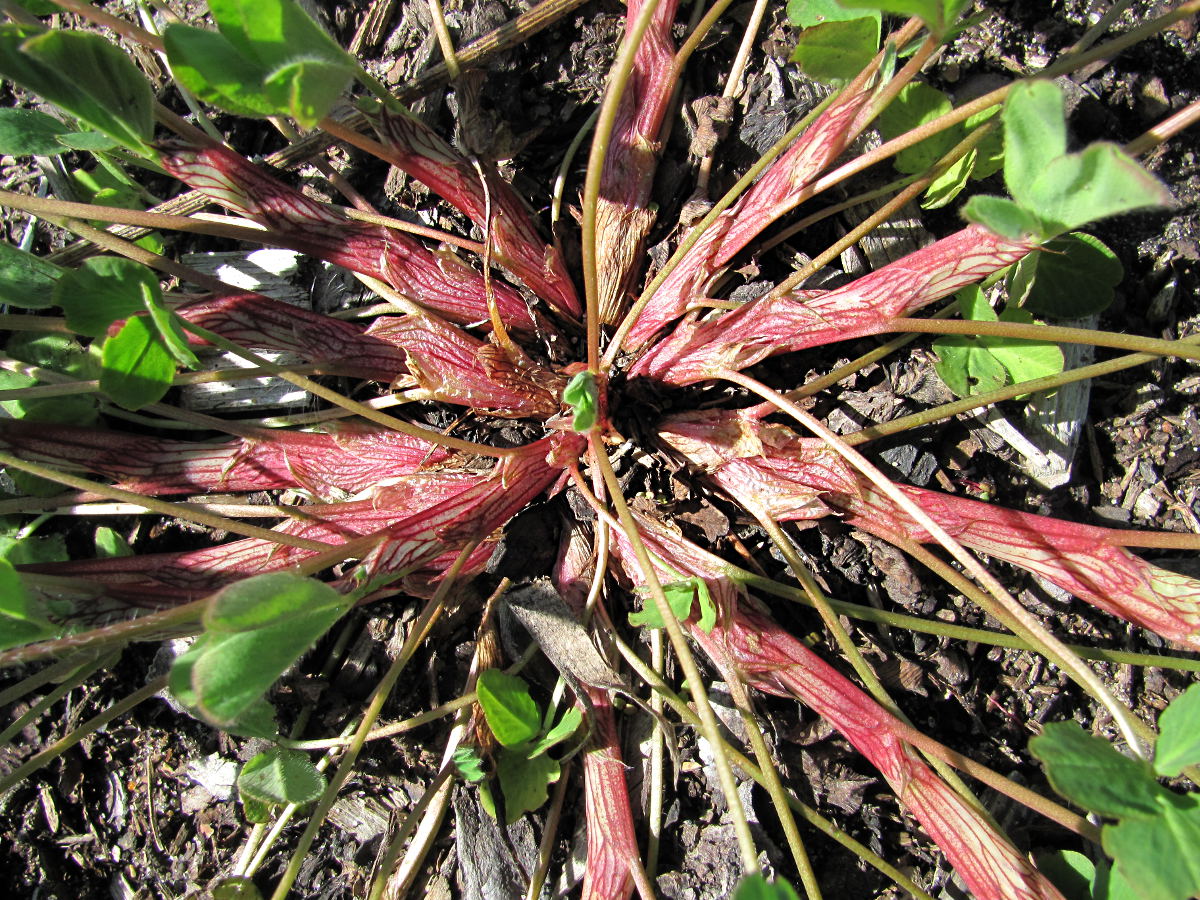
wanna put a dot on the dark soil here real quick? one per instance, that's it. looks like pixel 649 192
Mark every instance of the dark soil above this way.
pixel 144 808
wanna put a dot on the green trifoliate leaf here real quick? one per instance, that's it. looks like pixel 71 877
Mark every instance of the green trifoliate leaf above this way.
pixel 950 183
pixel 225 674
pixel 105 289
pixel 837 50
pixel 1035 134
pixel 1089 771
pixel 1003 216
pixel 1100 181
pixel 976 364
pixel 27 132
pixel 136 369
pixel 110 545
pixel 1159 855
pixel 277 598
pixel 21 620
pixel 524 780
pixel 756 887
pixel 209 66
pixel 1070 277
pixel 989 151
pixel 269 58
pixel 93 80
pixel 582 394
pixel 1024 360
pixel 510 711
pixel 915 105
pixel 565 727
pixel 938 15
pixel 469 764
pixel 279 777
pixel 1066 190
pixel 26 280
pixel 1179 734
pixel 681 597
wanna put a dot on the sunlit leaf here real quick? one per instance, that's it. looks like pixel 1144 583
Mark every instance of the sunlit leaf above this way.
pixel 137 369
pixel 1179 734
pixel 511 712
pixel 279 776
pixel 1070 277
pixel 90 78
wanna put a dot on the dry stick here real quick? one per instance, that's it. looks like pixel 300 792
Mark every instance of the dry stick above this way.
pixel 92 725
pixel 387 731
pixel 206 376
pixel 420 628
pixel 397 879
pixel 550 835
pixel 618 78
pixel 69 504
pixel 964 112
pixel 162 507
pixel 48 206
pixel 1067 660
pixel 733 85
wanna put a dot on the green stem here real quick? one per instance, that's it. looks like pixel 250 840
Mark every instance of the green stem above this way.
pixel 91 726
pixel 775 788
pixel 1045 333
pixel 810 815
pixel 1031 626
pixel 174 622
pixel 960 632
pixel 72 681
pixel 987 398
pixel 865 673
pixel 420 629
pixel 979 598
pixel 711 728
pixel 52 672
pixel 153 504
